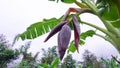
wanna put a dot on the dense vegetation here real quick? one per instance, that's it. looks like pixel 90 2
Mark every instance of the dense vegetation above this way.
pixel 49 59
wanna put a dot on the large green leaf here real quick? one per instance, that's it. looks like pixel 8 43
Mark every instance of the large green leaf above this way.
pixel 116 23
pixel 39 28
pixel 111 12
pixel 81 42
pixel 86 34
pixel 44 65
pixel 72 47
pixel 55 63
pixel 68 1
pixel 108 10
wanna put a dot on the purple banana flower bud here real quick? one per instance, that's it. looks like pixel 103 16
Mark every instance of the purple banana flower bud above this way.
pixel 55 30
pixel 76 32
pixel 63 40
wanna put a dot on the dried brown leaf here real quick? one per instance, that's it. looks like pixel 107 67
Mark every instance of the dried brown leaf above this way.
pixel 55 30
pixel 76 32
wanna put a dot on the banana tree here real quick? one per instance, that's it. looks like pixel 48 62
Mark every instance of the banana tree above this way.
pixel 108 12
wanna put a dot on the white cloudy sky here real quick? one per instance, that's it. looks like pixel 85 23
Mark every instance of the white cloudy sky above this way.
pixel 17 15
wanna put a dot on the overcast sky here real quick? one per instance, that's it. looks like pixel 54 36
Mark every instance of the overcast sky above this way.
pixel 17 15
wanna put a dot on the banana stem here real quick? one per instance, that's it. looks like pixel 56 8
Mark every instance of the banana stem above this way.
pixel 110 27
pixel 98 28
pixel 105 38
pixel 80 4
pixel 115 41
